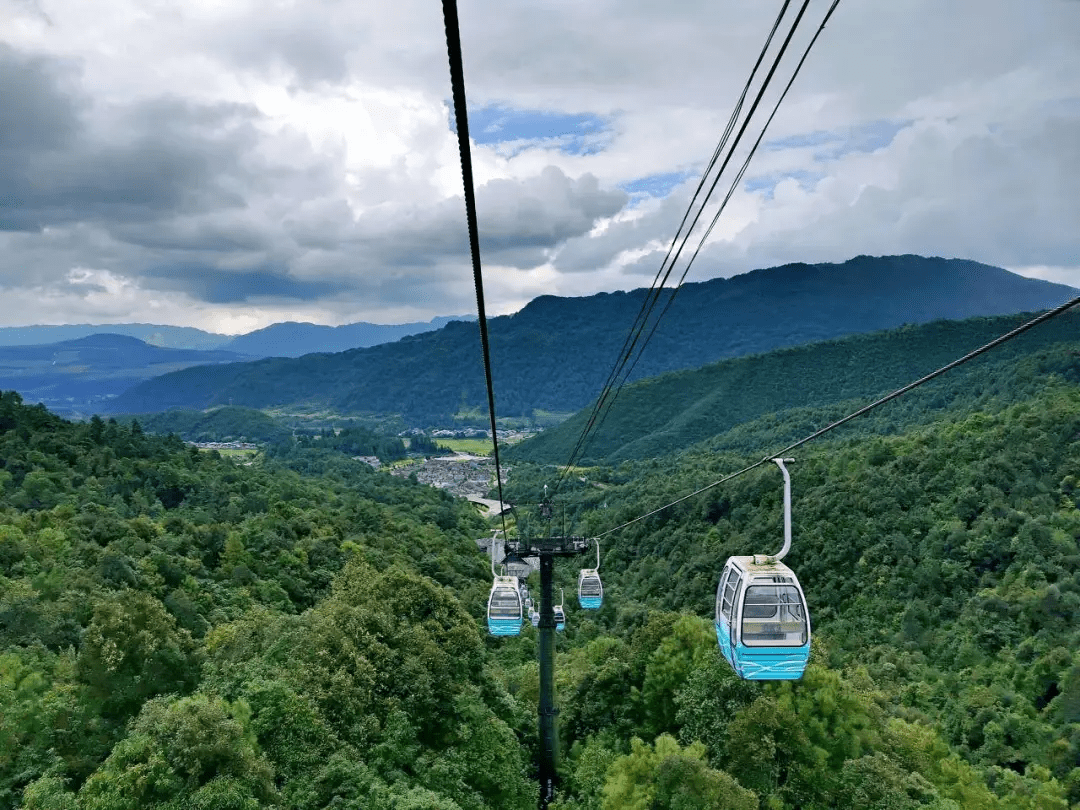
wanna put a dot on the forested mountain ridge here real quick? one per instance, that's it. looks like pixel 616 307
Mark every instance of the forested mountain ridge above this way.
pixel 555 353
pixel 295 339
pixel 673 411
pixel 168 337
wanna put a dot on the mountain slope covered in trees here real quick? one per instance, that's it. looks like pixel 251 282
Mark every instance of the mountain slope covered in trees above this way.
pixel 942 571
pixel 177 630
pixel 817 384
pixel 180 631
pixel 555 353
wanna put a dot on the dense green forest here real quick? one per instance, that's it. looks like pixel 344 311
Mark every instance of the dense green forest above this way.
pixel 179 631
pixel 228 423
pixel 555 354
pixel 942 568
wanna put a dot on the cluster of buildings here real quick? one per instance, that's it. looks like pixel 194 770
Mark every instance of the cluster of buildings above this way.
pixel 460 474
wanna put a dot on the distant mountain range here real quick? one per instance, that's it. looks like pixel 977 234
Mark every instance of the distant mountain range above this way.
pixel 75 377
pixel 278 340
pixel 554 355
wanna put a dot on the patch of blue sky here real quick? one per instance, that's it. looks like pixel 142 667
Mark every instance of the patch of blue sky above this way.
pixel 837 143
pixel 816 138
pixel 515 130
pixel 655 185
pixel 866 138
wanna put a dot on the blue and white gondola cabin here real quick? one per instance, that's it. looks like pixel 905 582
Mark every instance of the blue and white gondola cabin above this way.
pixel 762 624
pixel 504 607
pixel 590 590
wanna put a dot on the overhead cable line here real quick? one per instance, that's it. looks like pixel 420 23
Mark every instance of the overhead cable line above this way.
pixel 597 417
pixel 653 293
pixel 731 191
pixel 865 409
pixel 461 119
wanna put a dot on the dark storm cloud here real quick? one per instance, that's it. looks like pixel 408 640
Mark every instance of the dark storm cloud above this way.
pixel 63 162
pixel 217 286
pixel 37 113
pixel 182 195
pixel 520 221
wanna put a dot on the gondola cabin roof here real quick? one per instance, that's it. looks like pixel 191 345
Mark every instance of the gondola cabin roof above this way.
pixel 763 568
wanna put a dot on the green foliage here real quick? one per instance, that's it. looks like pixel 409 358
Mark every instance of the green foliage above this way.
pixel 666 776
pixel 178 630
pixel 132 651
pixel 227 423
pixel 427 446
pixel 183 752
pixel 689 642
pixel 351 441
pixel 148 560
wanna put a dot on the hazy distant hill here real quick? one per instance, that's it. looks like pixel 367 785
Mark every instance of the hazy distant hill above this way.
pixel 170 337
pixel 75 376
pixel 278 340
pixel 555 353
pixel 295 339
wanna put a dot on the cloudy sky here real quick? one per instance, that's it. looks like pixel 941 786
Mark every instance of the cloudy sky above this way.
pixel 227 164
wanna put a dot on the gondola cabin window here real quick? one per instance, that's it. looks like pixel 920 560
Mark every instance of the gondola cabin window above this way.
pixel 505 604
pixel 773 616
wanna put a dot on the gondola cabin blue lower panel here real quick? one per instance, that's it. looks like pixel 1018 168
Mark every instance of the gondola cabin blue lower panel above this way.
pixel 590 602
pixel 762 663
pixel 504 627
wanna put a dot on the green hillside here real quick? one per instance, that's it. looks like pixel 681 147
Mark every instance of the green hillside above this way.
pixel 180 631
pixel 810 386
pixel 942 571
pixel 228 423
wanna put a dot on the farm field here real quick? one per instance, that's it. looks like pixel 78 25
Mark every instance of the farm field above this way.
pixel 477 447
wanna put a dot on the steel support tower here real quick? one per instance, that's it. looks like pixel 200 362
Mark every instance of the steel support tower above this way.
pixel 547 549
